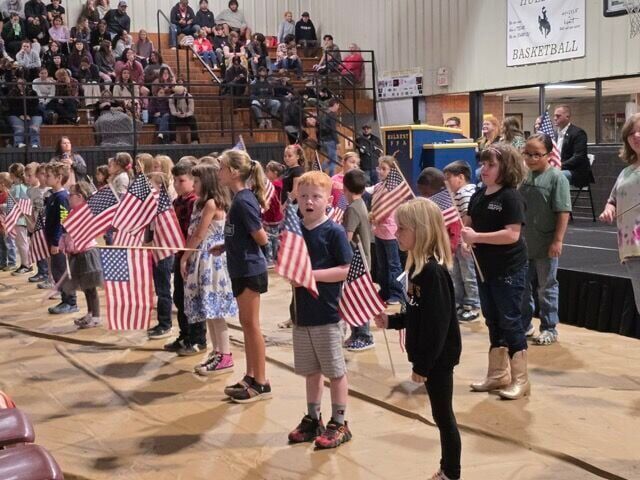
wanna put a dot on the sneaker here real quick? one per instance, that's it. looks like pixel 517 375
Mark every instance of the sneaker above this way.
pixel 530 331
pixel 159 332
pixel 37 278
pixel 470 315
pixel 360 345
pixel 63 308
pixel 348 341
pixel 22 271
pixel 335 435
pixel 190 350
pixel 459 310
pixel 439 475
pixel 218 364
pixel 286 324
pixel 307 430
pixel 46 285
pixel 547 337
pixel 174 346
pixel 91 322
pixel 393 301
pixel 9 268
pixel 236 388
pixel 21 145
pixel 79 321
pixel 253 393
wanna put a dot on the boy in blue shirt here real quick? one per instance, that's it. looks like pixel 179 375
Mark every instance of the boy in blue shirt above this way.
pixel 56 210
pixel 317 336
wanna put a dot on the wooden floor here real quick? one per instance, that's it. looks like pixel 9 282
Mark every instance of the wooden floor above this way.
pixel 113 405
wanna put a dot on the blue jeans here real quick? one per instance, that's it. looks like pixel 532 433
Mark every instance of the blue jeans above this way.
pixel 501 300
pixel 373 176
pixel 272 246
pixel 389 269
pixel 567 174
pixel 18 126
pixel 544 271
pixel 209 58
pixel 163 124
pixel 175 30
pixel 162 282
pixel 362 331
pixel 58 269
pixel 463 275
pixel 290 64
pixel 330 148
pixel 43 268
pixel 262 107
pixel 7 251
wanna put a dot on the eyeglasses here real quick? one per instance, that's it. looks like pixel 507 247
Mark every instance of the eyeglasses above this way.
pixel 535 156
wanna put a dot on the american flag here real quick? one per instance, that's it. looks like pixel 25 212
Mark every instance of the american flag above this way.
pixel 240 145
pixel 167 232
pixel 337 213
pixel 126 239
pixel 13 213
pixel 138 207
pixel 294 262
pixel 546 127
pixel 128 288
pixel 390 194
pixel 446 206
pixel 92 219
pixel 359 301
pixel 270 191
pixel 38 247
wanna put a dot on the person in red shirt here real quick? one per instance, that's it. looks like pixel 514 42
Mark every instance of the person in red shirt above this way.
pixel 352 65
pixel 204 48
pixel 272 217
pixel 195 333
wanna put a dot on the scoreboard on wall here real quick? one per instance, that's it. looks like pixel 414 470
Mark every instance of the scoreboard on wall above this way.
pixel 401 84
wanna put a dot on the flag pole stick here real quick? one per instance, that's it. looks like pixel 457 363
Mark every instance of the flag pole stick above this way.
pixel 473 254
pixel 144 247
pixel 384 330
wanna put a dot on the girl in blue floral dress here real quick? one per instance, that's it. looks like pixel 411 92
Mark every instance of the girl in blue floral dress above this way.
pixel 207 287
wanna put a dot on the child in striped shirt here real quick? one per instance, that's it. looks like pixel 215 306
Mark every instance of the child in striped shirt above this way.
pixel 458 176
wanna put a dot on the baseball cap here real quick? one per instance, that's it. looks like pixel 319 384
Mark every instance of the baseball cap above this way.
pixel 122 3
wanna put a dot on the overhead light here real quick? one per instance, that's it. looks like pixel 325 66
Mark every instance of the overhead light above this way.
pixel 564 86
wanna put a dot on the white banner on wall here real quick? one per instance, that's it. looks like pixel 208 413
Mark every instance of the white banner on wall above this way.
pixel 544 30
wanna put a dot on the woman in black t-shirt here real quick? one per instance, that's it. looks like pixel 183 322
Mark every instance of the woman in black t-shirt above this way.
pixel 496 214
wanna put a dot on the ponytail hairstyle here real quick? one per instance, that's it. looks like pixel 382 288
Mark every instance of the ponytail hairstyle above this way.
pixel 210 187
pixel 297 149
pixel 17 170
pixel 81 188
pixel 250 172
pixel 125 162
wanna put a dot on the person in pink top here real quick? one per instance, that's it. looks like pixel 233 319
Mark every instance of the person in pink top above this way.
pixel 387 250
pixel 60 33
pixel 350 160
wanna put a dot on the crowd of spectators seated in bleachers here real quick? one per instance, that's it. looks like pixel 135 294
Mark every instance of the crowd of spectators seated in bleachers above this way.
pixel 98 65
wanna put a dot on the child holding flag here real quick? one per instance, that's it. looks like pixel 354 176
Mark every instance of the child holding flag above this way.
pixel 85 267
pixel 432 333
pixel 317 336
pixel 388 263
pixel 356 224
pixel 56 209
pixel 207 288
pixel 244 237
pixel 19 191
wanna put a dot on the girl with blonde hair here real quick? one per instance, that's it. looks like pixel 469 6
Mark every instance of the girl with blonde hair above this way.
pixel 244 237
pixel 432 333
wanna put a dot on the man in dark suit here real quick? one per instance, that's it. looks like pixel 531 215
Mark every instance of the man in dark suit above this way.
pixel 572 142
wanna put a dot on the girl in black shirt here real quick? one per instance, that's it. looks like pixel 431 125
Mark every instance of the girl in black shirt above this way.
pixel 433 336
pixel 496 212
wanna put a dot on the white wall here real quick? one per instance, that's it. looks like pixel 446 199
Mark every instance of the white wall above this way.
pixel 468 36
